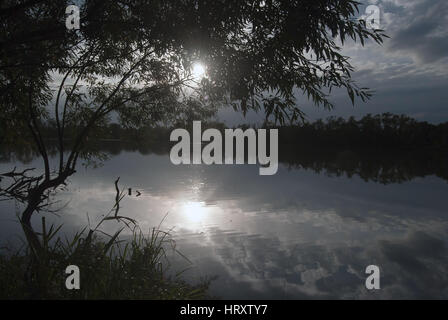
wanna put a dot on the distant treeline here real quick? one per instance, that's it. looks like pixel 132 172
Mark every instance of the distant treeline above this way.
pixel 380 131
pixel 384 149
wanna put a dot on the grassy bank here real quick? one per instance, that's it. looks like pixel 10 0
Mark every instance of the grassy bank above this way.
pixel 133 271
pixel 110 268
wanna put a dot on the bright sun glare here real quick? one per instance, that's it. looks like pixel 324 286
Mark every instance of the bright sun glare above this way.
pixel 198 70
pixel 194 211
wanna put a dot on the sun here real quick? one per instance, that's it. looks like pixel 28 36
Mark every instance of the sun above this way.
pixel 198 70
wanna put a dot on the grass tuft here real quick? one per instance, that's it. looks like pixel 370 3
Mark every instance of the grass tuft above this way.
pixel 110 268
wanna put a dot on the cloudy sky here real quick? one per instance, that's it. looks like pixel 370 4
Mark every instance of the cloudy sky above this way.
pixel 409 73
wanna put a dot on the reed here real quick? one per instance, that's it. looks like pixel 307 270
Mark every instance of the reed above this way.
pixel 111 268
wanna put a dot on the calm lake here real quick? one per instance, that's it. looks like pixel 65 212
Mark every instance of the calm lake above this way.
pixel 303 233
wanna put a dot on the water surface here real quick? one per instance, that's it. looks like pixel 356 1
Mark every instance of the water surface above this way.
pixel 300 234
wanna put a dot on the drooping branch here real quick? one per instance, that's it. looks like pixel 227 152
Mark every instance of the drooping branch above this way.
pixel 98 114
pixel 61 127
pixel 35 131
pixel 20 186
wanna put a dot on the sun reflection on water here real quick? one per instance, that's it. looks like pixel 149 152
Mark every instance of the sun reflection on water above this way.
pixel 194 211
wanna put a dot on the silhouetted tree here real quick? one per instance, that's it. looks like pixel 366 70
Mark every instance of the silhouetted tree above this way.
pixel 133 59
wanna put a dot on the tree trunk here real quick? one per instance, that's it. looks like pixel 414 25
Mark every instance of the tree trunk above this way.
pixel 30 234
pixel 34 200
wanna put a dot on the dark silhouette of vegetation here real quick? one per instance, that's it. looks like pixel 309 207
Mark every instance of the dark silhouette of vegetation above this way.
pixel 133 59
pixel 111 268
pixel 380 131
pixel 383 148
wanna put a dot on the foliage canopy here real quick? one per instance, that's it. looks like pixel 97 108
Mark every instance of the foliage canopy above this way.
pixel 133 59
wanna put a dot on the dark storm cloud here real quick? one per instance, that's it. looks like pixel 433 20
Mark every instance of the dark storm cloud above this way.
pixel 409 73
pixel 421 30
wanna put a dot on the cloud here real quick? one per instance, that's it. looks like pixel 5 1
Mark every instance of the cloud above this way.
pixel 418 28
pixel 409 73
